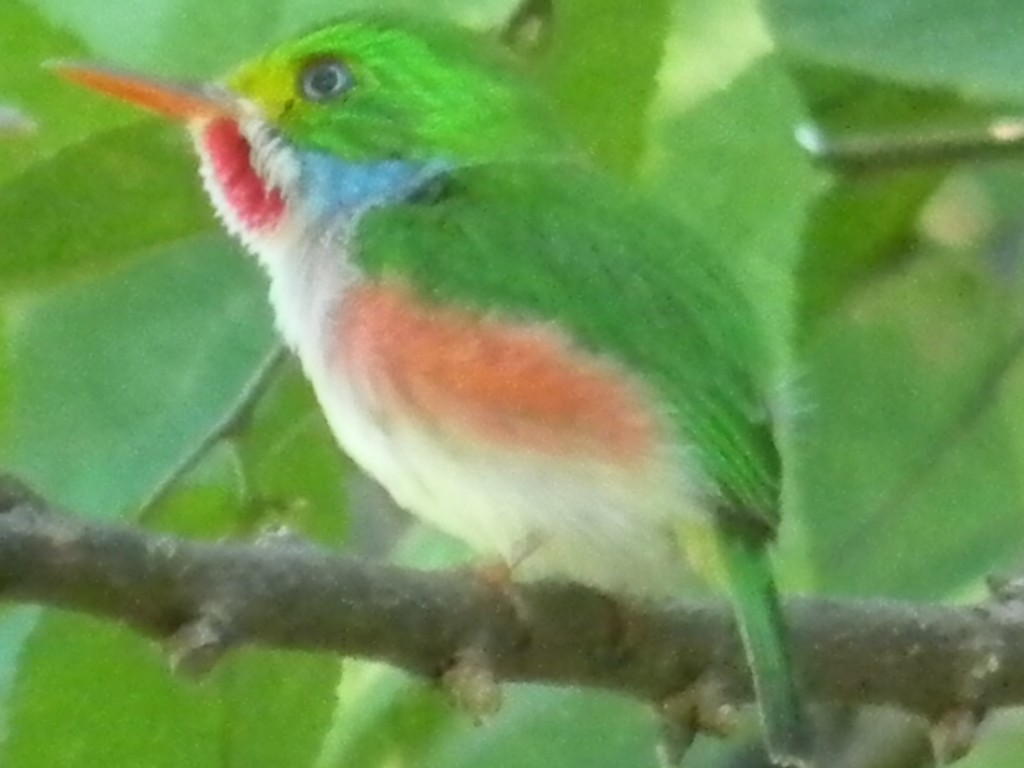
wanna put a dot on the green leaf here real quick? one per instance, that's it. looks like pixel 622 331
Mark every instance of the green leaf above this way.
pixel 16 624
pixel 973 47
pixel 299 15
pixel 114 698
pixel 113 380
pixel 710 43
pixel 544 726
pixel 117 703
pixel 857 230
pixel 97 205
pixel 276 707
pixel 233 31
pixel 383 717
pixel 728 166
pixel 198 39
pixel 601 69
pixel 294 472
pixel 283 469
pixel 64 115
pixel 886 379
pixel 6 363
pixel 204 504
pixel 1001 743
pixel 162 35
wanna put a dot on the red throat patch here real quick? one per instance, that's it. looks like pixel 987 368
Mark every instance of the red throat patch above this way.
pixel 521 386
pixel 230 155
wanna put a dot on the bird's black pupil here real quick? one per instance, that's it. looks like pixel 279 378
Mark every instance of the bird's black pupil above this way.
pixel 324 80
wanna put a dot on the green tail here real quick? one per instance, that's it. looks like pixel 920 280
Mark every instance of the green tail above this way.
pixel 759 613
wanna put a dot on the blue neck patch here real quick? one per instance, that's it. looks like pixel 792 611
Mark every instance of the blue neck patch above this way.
pixel 332 186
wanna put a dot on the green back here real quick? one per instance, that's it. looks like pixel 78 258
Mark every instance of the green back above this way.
pixel 546 242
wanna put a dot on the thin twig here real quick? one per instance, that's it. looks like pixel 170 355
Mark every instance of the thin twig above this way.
pixel 864 153
pixel 233 422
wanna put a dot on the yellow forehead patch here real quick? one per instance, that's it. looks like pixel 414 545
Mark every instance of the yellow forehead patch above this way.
pixel 269 82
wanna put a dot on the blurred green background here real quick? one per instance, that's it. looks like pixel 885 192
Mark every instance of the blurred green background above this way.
pixel 128 324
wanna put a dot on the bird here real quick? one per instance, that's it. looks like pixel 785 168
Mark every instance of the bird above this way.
pixel 524 350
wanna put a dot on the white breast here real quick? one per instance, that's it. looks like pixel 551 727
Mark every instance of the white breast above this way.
pixel 590 521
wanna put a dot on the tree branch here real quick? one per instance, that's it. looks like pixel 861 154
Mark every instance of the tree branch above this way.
pixel 231 423
pixel 947 663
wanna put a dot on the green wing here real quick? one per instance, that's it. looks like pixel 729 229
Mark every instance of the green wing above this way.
pixel 561 242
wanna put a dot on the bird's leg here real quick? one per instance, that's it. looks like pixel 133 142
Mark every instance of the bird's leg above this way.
pixel 498 572
pixel 470 679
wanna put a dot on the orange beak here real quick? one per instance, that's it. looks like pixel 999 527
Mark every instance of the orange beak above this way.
pixel 180 101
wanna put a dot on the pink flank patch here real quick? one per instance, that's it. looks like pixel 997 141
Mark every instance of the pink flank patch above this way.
pixel 521 386
pixel 256 207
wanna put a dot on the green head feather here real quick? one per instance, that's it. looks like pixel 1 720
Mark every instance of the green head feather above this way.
pixel 405 90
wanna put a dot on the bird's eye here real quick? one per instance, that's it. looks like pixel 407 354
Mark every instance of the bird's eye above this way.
pixel 325 79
